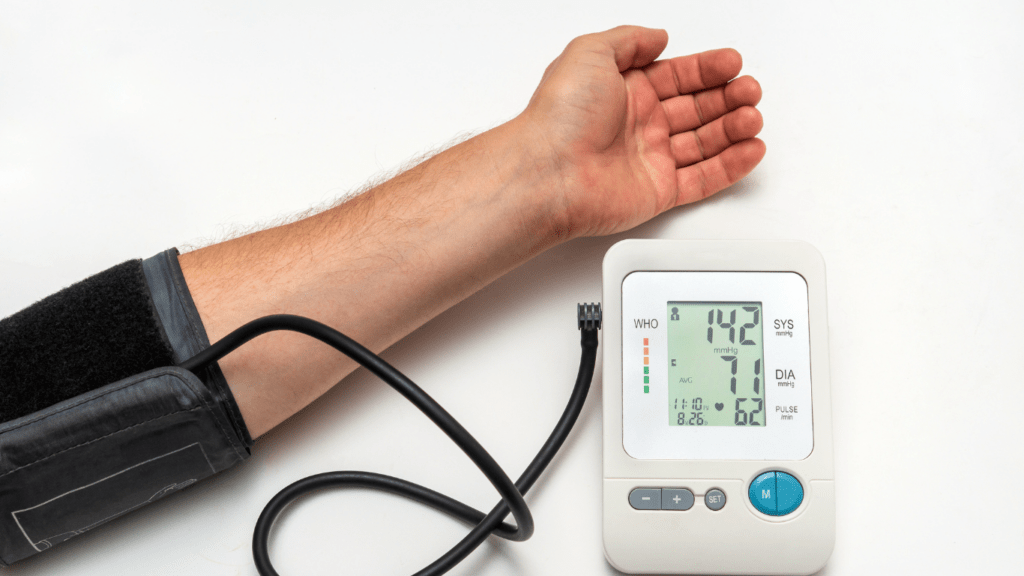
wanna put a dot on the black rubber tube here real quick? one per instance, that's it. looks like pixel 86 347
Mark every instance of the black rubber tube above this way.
pixel 485 525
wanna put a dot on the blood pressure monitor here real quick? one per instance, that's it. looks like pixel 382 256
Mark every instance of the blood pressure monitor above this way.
pixel 717 412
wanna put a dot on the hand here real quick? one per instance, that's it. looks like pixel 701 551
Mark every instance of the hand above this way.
pixel 631 137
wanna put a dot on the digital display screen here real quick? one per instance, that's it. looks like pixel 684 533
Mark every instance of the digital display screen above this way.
pixel 715 364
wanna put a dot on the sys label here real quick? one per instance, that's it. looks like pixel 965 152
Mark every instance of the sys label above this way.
pixel 784 327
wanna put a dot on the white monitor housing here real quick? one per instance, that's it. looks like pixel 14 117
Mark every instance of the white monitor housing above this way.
pixel 717 411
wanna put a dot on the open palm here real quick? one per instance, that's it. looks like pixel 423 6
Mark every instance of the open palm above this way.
pixel 633 137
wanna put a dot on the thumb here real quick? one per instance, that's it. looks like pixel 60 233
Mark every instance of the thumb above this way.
pixel 633 46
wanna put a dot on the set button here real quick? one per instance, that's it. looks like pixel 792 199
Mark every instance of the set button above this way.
pixel 776 493
pixel 672 499
pixel 715 499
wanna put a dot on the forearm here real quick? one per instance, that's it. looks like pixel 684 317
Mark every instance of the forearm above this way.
pixel 610 139
pixel 376 267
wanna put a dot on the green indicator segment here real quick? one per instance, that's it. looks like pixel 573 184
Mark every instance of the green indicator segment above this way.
pixel 647 389
pixel 647 379
pixel 646 369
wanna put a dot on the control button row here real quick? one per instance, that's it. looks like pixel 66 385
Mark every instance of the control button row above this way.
pixel 776 493
pixel 672 499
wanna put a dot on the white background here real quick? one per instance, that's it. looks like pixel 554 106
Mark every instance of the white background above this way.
pixel 894 146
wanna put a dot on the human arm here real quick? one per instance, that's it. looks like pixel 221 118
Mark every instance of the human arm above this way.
pixel 608 141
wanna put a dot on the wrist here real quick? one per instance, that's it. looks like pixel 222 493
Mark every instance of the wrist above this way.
pixel 543 177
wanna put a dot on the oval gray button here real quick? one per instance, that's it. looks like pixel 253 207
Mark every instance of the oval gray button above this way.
pixel 645 498
pixel 676 499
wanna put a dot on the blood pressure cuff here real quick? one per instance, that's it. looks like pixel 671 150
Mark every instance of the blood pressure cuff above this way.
pixel 98 450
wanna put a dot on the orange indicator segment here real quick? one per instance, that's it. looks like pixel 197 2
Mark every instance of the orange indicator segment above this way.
pixel 647 361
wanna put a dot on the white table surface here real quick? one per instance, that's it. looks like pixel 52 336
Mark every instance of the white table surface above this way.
pixel 894 146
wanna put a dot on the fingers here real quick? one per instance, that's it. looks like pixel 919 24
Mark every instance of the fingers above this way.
pixel 693 110
pixel 693 73
pixel 698 181
pixel 712 139
pixel 633 46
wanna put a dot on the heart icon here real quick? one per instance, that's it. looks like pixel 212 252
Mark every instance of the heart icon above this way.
pixel 719 406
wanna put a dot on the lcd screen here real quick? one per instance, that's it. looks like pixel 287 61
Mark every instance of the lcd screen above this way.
pixel 715 364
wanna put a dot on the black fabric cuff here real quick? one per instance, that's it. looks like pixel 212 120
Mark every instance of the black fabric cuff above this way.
pixel 103 421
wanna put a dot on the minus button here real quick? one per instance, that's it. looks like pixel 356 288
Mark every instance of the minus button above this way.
pixel 645 498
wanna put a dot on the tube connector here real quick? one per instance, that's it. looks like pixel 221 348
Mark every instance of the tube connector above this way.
pixel 588 316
